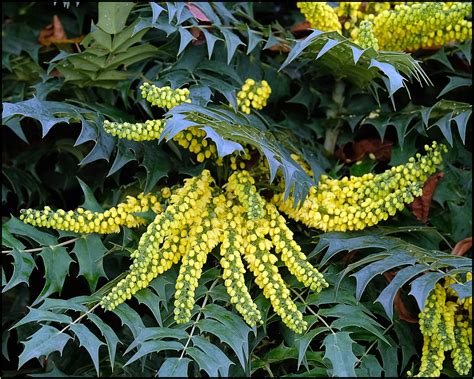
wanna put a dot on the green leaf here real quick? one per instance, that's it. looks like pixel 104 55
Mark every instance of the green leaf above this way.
pixel 463 289
pixel 56 266
pixel 157 165
pixel 90 201
pixel 389 359
pixel 9 241
pixel 109 334
pixel 302 342
pixel 45 341
pixel 339 352
pixel 43 111
pixel 461 121
pixel 130 318
pixel 209 357
pixel 387 296
pixel 185 38
pixel 23 265
pixel 232 41
pixel 152 301
pixel 15 127
pixel 15 226
pixel 455 82
pixel 154 346
pixel 89 341
pixel 254 40
pixel 364 276
pixel 113 15
pixel 353 316
pixel 421 287
pixel 35 315
pixel 156 11
pixel 90 251
pixel 174 367
pixel 369 367
pixel 343 58
pixel 229 328
pixel 211 40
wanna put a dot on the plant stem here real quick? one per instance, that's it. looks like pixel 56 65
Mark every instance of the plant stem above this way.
pixel 41 248
pixel 331 135
pixel 80 318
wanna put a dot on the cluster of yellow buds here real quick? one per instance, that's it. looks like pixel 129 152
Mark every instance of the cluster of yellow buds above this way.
pixel 366 37
pixel 164 97
pixel 85 221
pixel 423 25
pixel 198 218
pixel 253 95
pixel 446 324
pixel 141 131
pixel 359 202
pixel 398 26
pixel 320 15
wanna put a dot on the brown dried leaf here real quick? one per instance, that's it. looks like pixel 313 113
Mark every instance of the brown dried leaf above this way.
pixel 421 205
pixel 52 33
pixel 302 29
pixel 462 247
pixel 198 35
pixel 282 48
pixel 197 12
pixel 355 151
pixel 398 303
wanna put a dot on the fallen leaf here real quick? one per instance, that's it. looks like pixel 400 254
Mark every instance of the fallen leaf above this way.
pixel 198 35
pixel 52 33
pixel 282 48
pixel 421 205
pixel 462 247
pixel 355 151
pixel 301 29
pixel 398 303
pixel 197 12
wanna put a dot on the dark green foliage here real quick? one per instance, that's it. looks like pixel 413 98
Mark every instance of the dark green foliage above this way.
pixel 326 91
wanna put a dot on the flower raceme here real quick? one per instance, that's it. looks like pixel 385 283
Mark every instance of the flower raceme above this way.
pixel 446 324
pixel 358 202
pixel 394 26
pixel 253 95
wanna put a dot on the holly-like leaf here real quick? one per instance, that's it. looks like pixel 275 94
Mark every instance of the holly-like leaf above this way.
pixel 42 343
pixel 174 367
pixel 113 15
pixel 43 111
pixel 209 357
pixel 185 38
pixel 56 266
pixel 90 251
pixel 344 58
pixel 36 315
pixel 339 352
pixel 455 82
pixel 232 41
pixel 89 341
pixel 23 265
pixel 109 334
pixel 157 165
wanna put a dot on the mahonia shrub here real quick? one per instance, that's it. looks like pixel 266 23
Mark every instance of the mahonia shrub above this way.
pixel 221 191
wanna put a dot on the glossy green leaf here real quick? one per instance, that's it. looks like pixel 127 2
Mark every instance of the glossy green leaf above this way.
pixel 44 342
pixel 209 357
pixel 232 41
pixel 23 265
pixel 56 267
pixel 113 15
pixel 37 315
pixel 89 341
pixel 110 337
pixel 90 251
pixel 174 367
pixel 339 352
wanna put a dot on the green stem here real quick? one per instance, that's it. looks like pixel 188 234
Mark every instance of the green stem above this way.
pixel 331 135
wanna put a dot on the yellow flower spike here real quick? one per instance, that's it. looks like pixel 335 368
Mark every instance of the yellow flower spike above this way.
pixel 366 37
pixel 431 315
pixel 85 221
pixel 359 202
pixel 142 131
pixel 164 97
pixel 241 184
pixel 253 94
pixel 432 358
pixel 274 288
pixel 231 251
pixel 291 254
pixel 461 353
pixel 320 15
pixel 446 326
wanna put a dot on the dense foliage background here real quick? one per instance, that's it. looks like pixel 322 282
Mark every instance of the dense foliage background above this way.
pixel 67 67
